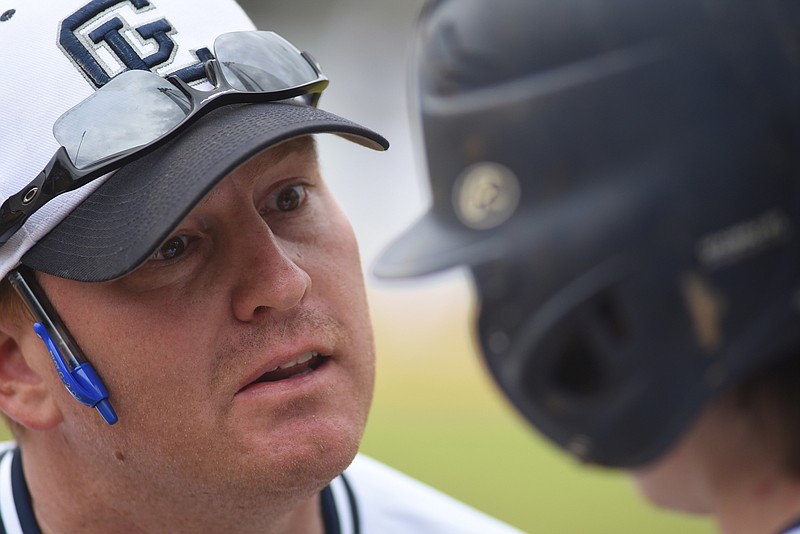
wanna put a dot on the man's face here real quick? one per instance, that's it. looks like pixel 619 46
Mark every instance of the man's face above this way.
pixel 263 274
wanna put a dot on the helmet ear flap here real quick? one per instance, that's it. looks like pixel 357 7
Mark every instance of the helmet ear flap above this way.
pixel 582 363
pixel 578 362
pixel 568 355
pixel 582 355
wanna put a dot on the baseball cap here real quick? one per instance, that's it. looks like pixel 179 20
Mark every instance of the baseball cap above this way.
pixel 56 54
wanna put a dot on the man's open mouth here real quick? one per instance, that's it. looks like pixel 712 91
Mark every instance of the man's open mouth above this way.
pixel 304 364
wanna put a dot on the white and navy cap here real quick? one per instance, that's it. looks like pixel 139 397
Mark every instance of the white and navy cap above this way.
pixel 53 55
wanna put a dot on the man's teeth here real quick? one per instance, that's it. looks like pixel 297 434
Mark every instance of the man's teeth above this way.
pixel 303 358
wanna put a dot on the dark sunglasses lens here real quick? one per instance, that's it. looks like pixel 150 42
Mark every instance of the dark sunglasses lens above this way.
pixel 261 61
pixel 132 110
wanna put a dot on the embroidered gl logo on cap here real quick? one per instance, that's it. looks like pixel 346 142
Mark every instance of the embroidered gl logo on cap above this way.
pixel 103 39
pixel 486 195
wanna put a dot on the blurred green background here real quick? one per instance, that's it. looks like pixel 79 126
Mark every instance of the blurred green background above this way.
pixel 436 414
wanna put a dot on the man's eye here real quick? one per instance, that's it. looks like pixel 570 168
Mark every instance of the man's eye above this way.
pixel 172 248
pixel 289 198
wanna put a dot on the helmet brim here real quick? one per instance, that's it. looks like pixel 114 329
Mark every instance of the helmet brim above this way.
pixel 433 244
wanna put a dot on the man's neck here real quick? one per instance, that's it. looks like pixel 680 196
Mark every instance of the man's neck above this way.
pixel 64 501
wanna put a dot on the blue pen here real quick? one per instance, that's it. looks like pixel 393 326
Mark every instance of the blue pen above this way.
pixel 75 372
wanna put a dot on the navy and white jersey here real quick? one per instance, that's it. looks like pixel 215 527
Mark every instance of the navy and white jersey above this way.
pixel 368 498
pixel 389 502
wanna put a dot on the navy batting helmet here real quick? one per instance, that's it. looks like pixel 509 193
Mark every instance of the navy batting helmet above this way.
pixel 622 178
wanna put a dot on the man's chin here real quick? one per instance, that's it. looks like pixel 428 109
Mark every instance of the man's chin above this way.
pixel 307 461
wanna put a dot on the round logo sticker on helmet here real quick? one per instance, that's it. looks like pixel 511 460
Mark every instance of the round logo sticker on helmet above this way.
pixel 486 195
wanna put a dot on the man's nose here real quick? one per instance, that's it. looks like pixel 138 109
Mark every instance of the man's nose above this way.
pixel 268 276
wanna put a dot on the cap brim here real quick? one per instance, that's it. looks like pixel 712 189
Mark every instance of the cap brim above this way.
pixel 435 243
pixel 119 225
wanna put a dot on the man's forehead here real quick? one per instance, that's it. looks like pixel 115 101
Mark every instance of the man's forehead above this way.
pixel 305 146
pixel 304 143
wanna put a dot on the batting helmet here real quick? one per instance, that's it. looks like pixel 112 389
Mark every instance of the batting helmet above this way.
pixel 621 177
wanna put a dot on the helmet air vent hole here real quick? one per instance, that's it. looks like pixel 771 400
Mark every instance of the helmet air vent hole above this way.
pixel 610 317
pixel 576 367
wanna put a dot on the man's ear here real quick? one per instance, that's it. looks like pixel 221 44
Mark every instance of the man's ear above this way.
pixel 25 396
